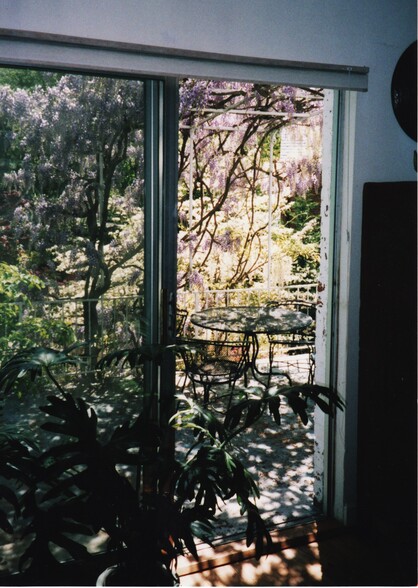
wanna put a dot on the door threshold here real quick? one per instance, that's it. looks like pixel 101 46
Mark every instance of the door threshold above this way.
pixel 237 551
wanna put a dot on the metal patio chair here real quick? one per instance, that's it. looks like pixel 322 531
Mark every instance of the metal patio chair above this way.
pixel 214 363
pixel 181 319
pixel 293 345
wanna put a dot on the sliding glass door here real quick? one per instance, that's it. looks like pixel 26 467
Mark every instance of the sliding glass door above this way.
pixel 88 197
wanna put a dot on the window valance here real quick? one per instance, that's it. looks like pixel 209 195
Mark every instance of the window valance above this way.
pixel 34 49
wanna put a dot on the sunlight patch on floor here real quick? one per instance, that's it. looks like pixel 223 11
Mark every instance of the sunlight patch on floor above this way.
pixel 290 567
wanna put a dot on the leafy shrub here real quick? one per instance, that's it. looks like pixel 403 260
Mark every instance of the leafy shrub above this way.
pixel 19 328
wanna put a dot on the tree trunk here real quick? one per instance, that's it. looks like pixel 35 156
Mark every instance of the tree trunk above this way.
pixel 91 331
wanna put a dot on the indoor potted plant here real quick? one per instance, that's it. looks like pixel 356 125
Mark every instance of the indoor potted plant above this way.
pixel 75 487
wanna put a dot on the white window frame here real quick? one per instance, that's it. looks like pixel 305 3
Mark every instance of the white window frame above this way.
pixel 55 52
pixel 144 60
pixel 336 441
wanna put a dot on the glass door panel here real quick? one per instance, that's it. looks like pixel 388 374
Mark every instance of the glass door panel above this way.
pixel 86 258
pixel 72 185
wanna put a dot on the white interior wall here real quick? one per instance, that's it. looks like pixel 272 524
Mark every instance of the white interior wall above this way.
pixel 372 34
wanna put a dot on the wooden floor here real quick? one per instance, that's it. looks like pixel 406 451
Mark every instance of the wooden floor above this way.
pixel 335 557
pixel 319 554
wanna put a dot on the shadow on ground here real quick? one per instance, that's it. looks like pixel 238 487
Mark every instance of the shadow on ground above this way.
pixel 281 458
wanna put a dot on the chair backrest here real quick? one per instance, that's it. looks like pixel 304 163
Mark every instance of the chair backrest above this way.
pixel 304 306
pixel 181 318
pixel 215 358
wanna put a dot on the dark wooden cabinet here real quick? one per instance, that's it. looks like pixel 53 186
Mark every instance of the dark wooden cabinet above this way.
pixel 387 456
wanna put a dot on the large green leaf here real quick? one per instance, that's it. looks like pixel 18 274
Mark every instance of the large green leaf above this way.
pixel 134 356
pixel 9 496
pixel 5 523
pixel 32 361
pixel 78 419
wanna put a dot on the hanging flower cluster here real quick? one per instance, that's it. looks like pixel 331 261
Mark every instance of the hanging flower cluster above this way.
pixel 226 130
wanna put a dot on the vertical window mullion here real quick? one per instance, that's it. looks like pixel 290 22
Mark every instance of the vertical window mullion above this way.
pixel 153 189
pixel 152 275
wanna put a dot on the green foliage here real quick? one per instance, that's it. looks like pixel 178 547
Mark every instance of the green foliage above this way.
pixel 302 254
pixel 301 211
pixel 76 217
pixel 27 78
pixel 76 143
pixel 34 361
pixel 16 288
pixel 37 331
pixel 264 145
pixel 16 284
pixel 77 485
pixel 19 291
pixel 240 191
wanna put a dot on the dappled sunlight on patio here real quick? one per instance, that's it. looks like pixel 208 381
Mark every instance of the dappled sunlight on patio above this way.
pixel 280 458
pixel 286 568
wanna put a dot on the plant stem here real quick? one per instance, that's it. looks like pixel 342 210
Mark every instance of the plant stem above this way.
pixel 54 381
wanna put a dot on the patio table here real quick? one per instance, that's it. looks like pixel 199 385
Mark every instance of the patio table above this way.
pixel 252 321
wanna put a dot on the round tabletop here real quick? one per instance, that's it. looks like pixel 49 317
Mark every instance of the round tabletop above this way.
pixel 251 319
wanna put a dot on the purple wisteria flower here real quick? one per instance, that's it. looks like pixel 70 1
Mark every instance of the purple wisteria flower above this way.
pixel 226 242
pixel 195 278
